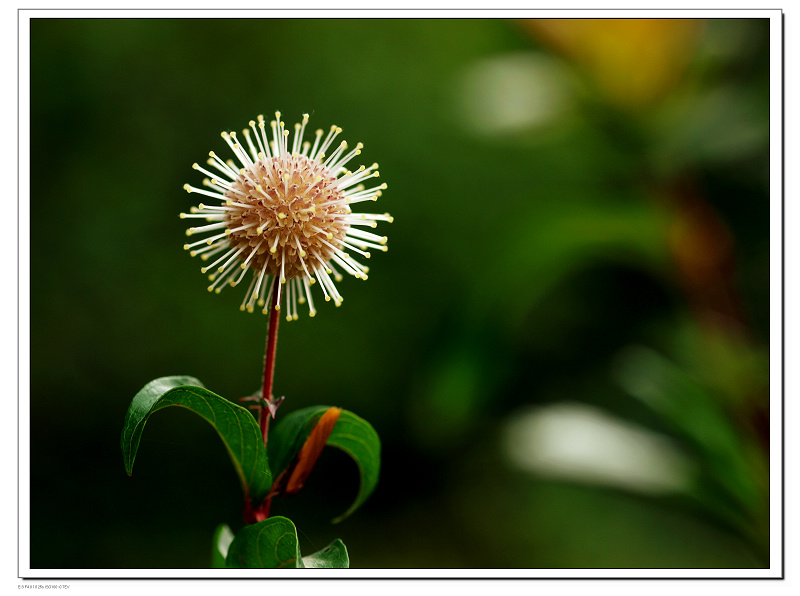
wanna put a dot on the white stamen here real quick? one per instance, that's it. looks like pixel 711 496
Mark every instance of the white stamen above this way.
pixel 311 311
pixel 366 235
pixel 222 166
pixel 247 294
pixel 218 261
pixel 208 193
pixel 229 261
pixel 215 226
pixel 253 152
pixel 313 152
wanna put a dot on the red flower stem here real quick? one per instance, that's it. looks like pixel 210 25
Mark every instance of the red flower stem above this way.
pixel 269 360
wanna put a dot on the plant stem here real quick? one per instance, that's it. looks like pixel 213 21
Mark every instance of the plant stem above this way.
pixel 269 361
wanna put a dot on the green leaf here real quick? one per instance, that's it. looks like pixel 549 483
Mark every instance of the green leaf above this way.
pixel 273 544
pixel 333 556
pixel 352 434
pixel 235 425
pixel 219 546
pixel 270 544
pixel 288 436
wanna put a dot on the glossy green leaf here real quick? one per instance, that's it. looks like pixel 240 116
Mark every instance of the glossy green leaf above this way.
pixel 352 434
pixel 223 536
pixel 235 425
pixel 273 544
pixel 333 556
pixel 270 544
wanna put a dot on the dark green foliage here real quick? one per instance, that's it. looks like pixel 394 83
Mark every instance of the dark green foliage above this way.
pixel 271 543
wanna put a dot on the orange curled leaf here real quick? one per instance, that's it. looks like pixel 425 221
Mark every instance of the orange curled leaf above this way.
pixel 309 454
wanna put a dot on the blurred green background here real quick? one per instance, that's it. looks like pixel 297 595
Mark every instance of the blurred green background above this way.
pixel 565 350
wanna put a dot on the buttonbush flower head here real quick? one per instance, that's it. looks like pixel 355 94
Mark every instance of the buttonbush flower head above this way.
pixel 283 210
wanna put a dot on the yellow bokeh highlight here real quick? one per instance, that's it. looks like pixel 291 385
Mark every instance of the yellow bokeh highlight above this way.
pixel 633 62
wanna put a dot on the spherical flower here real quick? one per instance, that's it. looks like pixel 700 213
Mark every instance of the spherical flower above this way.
pixel 284 212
